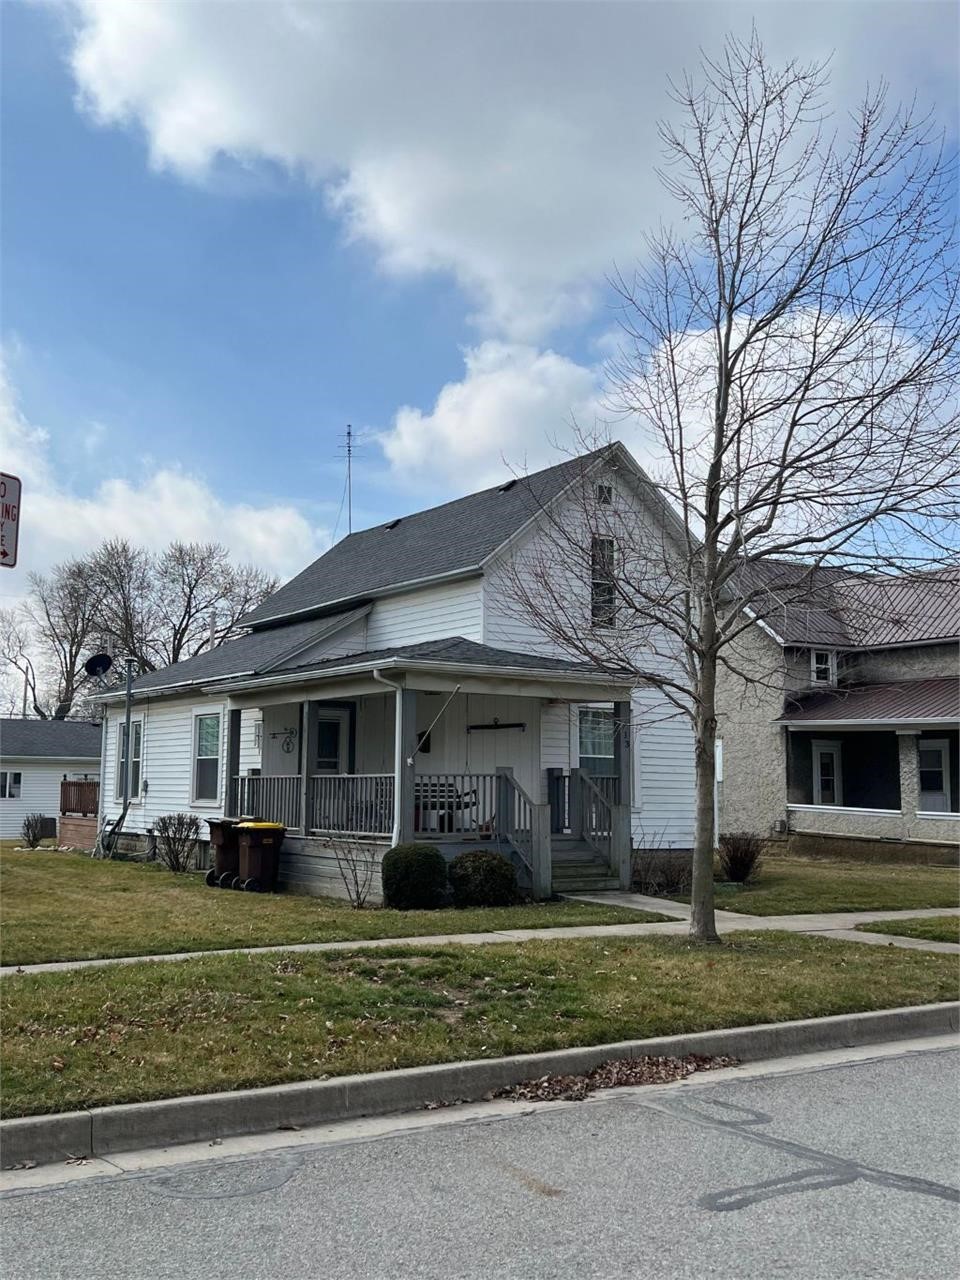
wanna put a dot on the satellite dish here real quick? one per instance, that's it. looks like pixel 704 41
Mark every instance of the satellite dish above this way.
pixel 98 665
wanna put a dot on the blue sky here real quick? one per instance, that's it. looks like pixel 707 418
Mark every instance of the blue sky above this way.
pixel 229 229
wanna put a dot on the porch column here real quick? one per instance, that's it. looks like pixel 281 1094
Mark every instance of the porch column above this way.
pixel 404 767
pixel 622 833
pixel 907 741
pixel 308 753
pixel 233 762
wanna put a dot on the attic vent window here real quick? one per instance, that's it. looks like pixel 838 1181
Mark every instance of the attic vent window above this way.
pixel 505 488
pixel 392 524
pixel 605 495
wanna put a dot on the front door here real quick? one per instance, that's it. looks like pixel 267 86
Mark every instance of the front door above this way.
pixel 933 760
pixel 827 778
pixel 332 731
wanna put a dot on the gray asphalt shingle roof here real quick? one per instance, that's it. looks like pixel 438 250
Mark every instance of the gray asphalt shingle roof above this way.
pixel 244 659
pixel 52 739
pixel 453 538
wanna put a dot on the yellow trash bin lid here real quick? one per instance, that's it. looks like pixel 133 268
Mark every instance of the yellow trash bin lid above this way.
pixel 267 826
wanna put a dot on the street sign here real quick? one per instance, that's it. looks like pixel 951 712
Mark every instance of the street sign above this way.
pixel 9 519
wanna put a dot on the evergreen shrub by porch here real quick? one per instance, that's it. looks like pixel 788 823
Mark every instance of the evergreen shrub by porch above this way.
pixel 414 877
pixel 482 878
pixel 739 853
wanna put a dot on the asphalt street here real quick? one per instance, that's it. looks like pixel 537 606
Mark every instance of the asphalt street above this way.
pixel 846 1169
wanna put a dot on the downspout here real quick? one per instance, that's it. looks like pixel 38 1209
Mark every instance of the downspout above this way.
pixel 397 749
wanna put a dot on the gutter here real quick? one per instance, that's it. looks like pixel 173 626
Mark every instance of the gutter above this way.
pixel 937 721
pixel 511 673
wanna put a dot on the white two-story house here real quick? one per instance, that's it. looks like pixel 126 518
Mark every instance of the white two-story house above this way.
pixel 391 691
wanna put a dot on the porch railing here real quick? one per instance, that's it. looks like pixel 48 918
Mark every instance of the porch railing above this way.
pixel 273 798
pixel 454 804
pixel 358 804
pixel 558 794
pixel 80 797
pixel 591 812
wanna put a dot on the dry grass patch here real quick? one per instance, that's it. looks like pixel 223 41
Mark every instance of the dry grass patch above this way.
pixel 64 906
pixel 930 928
pixel 87 1038
pixel 796 886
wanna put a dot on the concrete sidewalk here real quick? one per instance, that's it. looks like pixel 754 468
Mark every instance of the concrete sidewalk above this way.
pixel 827 924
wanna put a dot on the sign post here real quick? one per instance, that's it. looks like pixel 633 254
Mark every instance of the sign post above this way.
pixel 9 519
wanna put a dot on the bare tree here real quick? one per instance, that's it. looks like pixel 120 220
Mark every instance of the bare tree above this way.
pixel 792 363
pixel 48 638
pixel 159 609
pixel 165 608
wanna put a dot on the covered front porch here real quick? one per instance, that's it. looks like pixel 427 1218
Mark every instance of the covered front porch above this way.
pixel 854 772
pixel 462 758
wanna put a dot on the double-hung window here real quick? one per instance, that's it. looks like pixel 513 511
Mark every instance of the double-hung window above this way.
pixel 823 666
pixel 10 783
pixel 596 740
pixel 206 756
pixel 603 591
pixel 136 753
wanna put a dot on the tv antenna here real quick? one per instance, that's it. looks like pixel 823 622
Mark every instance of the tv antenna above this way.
pixel 351 444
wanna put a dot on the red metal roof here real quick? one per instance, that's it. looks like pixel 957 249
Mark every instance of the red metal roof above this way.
pixel 904 701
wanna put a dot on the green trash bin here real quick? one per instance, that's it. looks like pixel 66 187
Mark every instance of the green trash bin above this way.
pixel 260 844
pixel 226 852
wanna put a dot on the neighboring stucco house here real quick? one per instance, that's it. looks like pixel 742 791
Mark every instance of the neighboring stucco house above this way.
pixel 848 729
pixel 35 757
pixel 391 691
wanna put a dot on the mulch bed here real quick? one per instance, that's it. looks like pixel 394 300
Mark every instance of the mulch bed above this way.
pixel 617 1074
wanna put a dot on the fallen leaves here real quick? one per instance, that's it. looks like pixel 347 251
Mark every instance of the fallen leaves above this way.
pixel 616 1074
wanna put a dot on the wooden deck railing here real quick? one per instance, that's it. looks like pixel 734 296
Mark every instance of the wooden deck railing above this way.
pixel 80 797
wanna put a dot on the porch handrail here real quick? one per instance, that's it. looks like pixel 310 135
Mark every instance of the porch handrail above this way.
pixel 526 825
pixel 80 796
pixel 271 797
pixel 594 812
pixel 357 804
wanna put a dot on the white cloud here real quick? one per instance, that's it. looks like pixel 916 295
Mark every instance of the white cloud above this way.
pixel 164 504
pixel 513 146
pixel 511 408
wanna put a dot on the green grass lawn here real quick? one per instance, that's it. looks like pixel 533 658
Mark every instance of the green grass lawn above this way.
pixel 795 886
pixel 65 906
pixel 86 1038
pixel 931 928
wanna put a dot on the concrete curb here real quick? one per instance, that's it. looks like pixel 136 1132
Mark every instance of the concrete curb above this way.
pixel 102 1130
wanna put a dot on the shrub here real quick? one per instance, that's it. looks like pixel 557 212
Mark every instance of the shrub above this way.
pixel 414 877
pixel 662 872
pixel 739 853
pixel 33 829
pixel 356 866
pixel 177 837
pixel 482 878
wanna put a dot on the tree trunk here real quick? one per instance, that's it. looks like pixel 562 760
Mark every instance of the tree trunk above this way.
pixel 702 923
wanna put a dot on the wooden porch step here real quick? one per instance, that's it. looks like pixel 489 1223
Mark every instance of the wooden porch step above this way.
pixel 586 884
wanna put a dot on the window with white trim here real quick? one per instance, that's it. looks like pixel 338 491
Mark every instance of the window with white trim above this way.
pixel 604 495
pixel 10 783
pixel 136 735
pixel 823 666
pixel 596 740
pixel 206 756
pixel 603 592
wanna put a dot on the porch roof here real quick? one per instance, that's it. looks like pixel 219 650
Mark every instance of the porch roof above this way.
pixel 927 701
pixel 454 653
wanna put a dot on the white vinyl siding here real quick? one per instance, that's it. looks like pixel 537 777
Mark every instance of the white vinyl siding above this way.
pixel 39 789
pixel 166 767
pixel 251 738
pixel 433 613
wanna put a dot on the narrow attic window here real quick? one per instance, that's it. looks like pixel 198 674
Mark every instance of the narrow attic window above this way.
pixel 505 488
pixel 604 495
pixel 392 524
pixel 823 666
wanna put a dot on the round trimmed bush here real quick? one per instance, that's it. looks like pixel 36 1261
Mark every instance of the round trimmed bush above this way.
pixel 414 877
pixel 483 879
